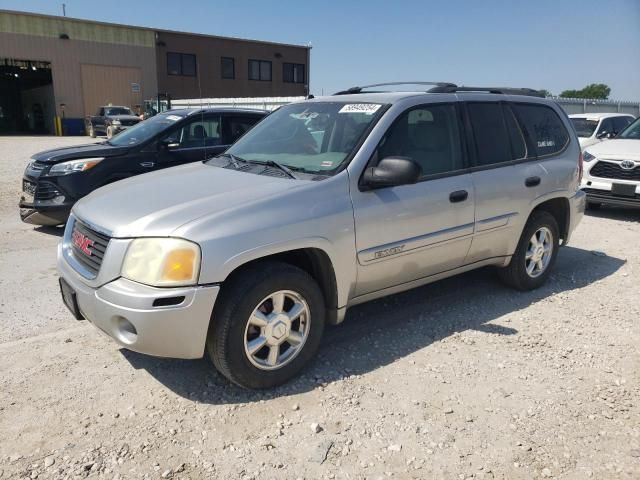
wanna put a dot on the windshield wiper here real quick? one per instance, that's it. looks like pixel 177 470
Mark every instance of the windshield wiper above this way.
pixel 273 163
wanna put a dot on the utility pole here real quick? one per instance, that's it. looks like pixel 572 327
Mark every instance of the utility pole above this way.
pixel 64 10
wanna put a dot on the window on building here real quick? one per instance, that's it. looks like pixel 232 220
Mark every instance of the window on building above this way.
pixel 260 70
pixel 293 72
pixel 181 64
pixel 228 67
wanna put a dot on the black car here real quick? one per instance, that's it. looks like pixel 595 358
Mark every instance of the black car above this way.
pixel 56 179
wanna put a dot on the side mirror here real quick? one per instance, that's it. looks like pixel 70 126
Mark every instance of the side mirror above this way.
pixel 168 144
pixel 391 172
pixel 603 135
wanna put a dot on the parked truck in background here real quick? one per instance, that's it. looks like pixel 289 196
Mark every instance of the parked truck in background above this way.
pixel 110 120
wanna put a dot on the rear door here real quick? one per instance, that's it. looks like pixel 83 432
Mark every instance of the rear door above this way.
pixel 409 232
pixel 514 147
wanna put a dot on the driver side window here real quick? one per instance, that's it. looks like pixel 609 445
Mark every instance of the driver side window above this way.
pixel 429 136
pixel 199 132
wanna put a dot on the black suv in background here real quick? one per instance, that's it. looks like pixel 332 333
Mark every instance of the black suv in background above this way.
pixel 55 179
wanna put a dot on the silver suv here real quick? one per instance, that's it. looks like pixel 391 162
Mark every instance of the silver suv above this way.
pixel 325 204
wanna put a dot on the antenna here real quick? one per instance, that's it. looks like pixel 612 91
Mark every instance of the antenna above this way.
pixel 64 10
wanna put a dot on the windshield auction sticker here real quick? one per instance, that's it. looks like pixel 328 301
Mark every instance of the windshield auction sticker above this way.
pixel 174 118
pixel 366 108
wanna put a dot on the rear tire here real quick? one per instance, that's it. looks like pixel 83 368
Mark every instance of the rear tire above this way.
pixel 530 266
pixel 253 315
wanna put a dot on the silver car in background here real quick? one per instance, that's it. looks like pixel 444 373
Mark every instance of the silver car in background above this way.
pixel 325 204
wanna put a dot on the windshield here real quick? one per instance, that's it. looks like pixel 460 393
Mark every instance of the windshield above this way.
pixel 118 111
pixel 584 127
pixel 632 131
pixel 145 130
pixel 314 137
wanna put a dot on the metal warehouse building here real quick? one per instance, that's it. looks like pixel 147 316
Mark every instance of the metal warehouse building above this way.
pixel 57 70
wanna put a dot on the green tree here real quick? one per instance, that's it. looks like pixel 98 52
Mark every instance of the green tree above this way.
pixel 598 91
pixel 546 93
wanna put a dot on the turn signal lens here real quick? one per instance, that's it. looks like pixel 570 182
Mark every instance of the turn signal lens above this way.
pixel 178 266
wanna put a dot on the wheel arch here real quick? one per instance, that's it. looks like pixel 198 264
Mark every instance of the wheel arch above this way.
pixel 560 209
pixel 314 260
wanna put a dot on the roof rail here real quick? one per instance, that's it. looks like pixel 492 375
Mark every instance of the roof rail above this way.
pixel 353 90
pixel 530 92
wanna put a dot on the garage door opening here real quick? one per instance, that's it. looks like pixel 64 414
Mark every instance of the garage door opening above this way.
pixel 27 104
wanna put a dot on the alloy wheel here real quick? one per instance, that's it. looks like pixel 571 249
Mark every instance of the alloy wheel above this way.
pixel 277 330
pixel 539 252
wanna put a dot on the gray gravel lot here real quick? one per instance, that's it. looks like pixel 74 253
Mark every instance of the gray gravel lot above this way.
pixel 460 379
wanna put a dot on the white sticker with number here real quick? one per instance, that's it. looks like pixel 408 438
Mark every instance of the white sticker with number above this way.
pixel 174 118
pixel 366 108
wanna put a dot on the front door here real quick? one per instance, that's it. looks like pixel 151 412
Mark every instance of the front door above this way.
pixel 409 232
pixel 195 140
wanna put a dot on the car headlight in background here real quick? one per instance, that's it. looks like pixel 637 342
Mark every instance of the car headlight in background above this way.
pixel 115 122
pixel 162 262
pixel 72 166
pixel 587 157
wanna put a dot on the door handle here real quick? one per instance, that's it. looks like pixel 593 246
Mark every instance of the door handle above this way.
pixel 532 182
pixel 147 164
pixel 458 196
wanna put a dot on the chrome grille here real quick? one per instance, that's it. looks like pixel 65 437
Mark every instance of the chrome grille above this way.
pixel 96 249
pixel 615 171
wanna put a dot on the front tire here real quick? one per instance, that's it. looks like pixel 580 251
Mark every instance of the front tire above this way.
pixel 267 325
pixel 535 254
pixel 109 132
pixel 92 132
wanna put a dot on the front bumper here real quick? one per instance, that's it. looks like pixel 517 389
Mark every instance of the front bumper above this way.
pixel 51 210
pixel 599 190
pixel 125 311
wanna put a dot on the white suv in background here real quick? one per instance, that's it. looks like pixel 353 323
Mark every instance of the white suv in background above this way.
pixel 592 128
pixel 612 170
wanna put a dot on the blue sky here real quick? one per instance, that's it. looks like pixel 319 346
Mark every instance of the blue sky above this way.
pixel 555 45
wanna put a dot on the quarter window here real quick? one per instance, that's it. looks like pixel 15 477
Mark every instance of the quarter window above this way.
pixel 227 67
pixel 429 135
pixel 293 72
pixel 546 133
pixel 260 70
pixel 181 64
pixel 492 139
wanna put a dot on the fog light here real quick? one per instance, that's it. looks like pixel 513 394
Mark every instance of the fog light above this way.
pixel 124 330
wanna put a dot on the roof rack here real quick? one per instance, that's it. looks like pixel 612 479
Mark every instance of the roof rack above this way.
pixel 499 90
pixel 446 87
pixel 353 90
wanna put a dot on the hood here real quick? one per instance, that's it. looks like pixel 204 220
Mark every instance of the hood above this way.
pixel 158 203
pixel 617 149
pixel 79 151
pixel 124 117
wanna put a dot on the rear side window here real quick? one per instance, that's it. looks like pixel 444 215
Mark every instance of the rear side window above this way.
pixel 493 143
pixel 546 133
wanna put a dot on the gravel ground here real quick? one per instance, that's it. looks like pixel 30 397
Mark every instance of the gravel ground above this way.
pixel 460 379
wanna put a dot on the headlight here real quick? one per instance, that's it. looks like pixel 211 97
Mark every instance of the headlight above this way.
pixel 115 122
pixel 587 157
pixel 72 166
pixel 162 262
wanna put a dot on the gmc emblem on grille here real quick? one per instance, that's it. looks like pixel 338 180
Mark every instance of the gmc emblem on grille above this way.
pixel 82 242
pixel 628 164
